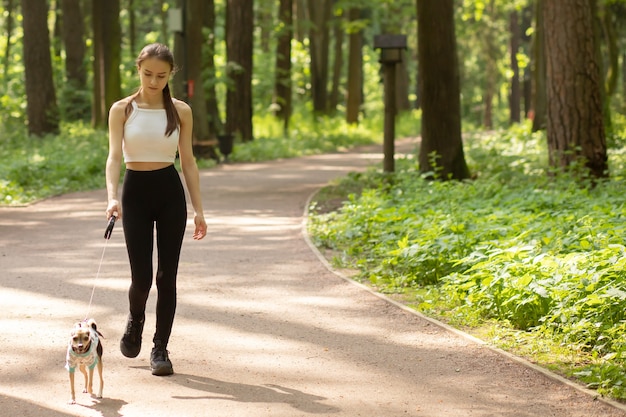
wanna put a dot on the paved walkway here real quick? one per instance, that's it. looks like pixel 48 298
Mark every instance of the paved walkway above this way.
pixel 263 328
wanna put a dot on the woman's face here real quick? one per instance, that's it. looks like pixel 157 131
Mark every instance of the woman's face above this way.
pixel 154 74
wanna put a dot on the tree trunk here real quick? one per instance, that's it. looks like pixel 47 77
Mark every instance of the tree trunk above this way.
pixel 526 43
pixel 515 95
pixel 216 126
pixel 132 29
pixel 239 45
pixel 165 38
pixel 540 104
pixel 75 101
pixel 491 67
pixel 575 120
pixel 441 150
pixel 41 106
pixel 107 58
pixel 265 23
pixel 320 15
pixel 179 81
pixel 8 7
pixel 282 83
pixel 195 40
pixel 302 16
pixel 56 30
pixel 338 30
pixel 355 71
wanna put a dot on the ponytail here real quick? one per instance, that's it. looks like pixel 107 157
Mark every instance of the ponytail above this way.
pixel 173 119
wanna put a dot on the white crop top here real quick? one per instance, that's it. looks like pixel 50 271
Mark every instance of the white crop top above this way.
pixel 144 137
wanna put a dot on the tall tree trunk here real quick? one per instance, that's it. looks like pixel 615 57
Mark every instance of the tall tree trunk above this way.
pixel 355 70
pixel 515 94
pixel 540 100
pixel 216 126
pixel 8 7
pixel 338 30
pixel 239 45
pixel 612 72
pixel 41 106
pixel 132 29
pixel 491 67
pixel 75 101
pixel 282 82
pixel 265 23
pixel 179 81
pixel 441 150
pixel 165 38
pixel 320 15
pixel 575 121
pixel 195 40
pixel 526 44
pixel 301 21
pixel 56 31
pixel 107 58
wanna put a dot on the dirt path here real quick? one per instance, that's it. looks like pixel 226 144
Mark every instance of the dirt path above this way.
pixel 263 327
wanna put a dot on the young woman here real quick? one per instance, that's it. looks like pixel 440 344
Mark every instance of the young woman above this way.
pixel 146 129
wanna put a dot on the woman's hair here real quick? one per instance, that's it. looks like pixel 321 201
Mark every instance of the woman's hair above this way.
pixel 163 53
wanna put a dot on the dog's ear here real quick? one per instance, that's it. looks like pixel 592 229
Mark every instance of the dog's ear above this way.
pixel 92 323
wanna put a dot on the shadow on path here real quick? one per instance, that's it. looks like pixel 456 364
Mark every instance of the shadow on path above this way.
pixel 269 393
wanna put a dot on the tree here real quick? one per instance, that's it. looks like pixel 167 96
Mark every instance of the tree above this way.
pixel 338 31
pixel 215 122
pixel 282 82
pixel 441 150
pixel 320 15
pixel 41 106
pixel 575 120
pixel 539 98
pixel 515 95
pixel 107 46
pixel 75 101
pixel 8 6
pixel 355 67
pixel 239 45
pixel 194 64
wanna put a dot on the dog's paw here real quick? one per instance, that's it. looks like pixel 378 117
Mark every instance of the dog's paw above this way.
pixel 72 401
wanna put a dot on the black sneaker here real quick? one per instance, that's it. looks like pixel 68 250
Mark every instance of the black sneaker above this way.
pixel 159 361
pixel 130 345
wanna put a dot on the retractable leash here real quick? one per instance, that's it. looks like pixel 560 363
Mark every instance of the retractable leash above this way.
pixel 107 236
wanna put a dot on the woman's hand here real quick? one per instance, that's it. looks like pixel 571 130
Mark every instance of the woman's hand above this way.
pixel 114 209
pixel 201 227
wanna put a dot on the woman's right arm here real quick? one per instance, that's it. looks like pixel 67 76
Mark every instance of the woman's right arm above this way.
pixel 117 118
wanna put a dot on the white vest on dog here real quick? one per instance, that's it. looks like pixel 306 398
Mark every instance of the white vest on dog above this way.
pixel 89 358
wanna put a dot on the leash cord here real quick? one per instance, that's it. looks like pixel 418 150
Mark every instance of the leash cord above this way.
pixel 107 236
pixel 95 281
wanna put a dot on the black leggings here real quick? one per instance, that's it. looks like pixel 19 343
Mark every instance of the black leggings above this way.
pixel 150 197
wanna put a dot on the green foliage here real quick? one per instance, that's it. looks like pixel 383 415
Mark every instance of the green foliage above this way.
pixel 543 255
pixel 35 168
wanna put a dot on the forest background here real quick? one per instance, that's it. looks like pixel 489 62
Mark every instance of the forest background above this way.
pixel 521 106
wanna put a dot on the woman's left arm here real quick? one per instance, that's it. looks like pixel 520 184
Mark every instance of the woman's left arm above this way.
pixel 190 168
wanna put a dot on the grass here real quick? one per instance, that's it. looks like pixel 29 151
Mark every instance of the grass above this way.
pixel 529 262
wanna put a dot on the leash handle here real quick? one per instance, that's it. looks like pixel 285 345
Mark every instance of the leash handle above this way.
pixel 109 229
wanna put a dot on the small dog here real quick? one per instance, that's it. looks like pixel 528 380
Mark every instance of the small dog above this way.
pixel 84 352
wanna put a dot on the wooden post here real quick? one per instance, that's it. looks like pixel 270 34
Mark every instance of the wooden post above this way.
pixel 390 54
pixel 390 117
